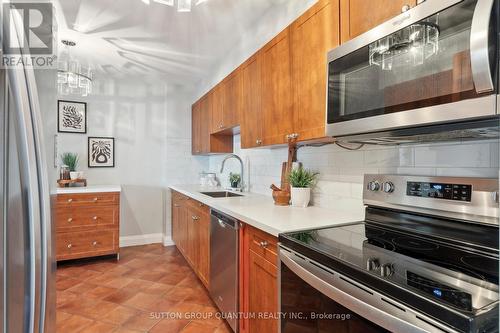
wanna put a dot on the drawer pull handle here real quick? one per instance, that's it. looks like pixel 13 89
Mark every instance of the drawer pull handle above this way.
pixel 70 200
pixel 177 205
pixel 70 246
pixel 95 218
pixel 195 218
pixel 70 220
pixel 263 244
pixel 94 243
pixel 95 199
pixel 200 204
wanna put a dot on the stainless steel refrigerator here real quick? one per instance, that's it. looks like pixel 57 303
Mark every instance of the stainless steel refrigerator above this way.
pixel 27 267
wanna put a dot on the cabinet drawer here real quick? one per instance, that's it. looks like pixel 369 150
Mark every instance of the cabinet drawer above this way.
pixel 72 245
pixel 263 244
pixel 88 199
pixel 70 218
pixel 201 207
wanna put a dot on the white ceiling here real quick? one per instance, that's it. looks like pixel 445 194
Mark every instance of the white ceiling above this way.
pixel 131 38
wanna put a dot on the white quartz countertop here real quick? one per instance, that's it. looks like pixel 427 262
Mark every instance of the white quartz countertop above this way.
pixel 259 211
pixel 88 189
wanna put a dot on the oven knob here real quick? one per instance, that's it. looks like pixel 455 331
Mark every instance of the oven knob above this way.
pixel 373 186
pixel 386 270
pixel 388 187
pixel 372 264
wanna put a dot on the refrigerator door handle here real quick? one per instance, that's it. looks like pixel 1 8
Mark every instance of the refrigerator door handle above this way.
pixel 34 180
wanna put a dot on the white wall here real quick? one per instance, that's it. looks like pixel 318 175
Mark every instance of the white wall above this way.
pixel 151 124
pixel 341 171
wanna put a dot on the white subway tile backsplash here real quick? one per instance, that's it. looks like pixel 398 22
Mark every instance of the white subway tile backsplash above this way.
pixel 340 182
pixel 461 155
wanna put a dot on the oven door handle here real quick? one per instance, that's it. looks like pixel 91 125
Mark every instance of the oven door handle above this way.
pixel 365 310
pixel 479 47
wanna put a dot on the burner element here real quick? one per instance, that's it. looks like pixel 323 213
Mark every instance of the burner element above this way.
pixel 411 243
pixel 482 264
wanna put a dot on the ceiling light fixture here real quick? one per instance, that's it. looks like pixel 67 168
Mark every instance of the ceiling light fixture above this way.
pixel 183 6
pixel 72 77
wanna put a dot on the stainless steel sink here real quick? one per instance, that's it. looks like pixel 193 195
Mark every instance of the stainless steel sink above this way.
pixel 222 194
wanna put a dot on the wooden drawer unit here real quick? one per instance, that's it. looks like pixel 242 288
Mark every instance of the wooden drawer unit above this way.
pixel 263 244
pixel 87 225
pixel 87 199
pixel 72 245
pixel 93 217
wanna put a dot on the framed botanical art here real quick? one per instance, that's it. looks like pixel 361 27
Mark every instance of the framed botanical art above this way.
pixel 71 117
pixel 101 152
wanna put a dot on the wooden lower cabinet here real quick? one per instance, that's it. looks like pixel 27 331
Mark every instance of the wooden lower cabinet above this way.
pixel 87 225
pixel 191 233
pixel 258 282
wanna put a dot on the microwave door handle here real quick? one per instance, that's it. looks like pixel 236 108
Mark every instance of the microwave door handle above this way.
pixel 479 47
pixel 365 310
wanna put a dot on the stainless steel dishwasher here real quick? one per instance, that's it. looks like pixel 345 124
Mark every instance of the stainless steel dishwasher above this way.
pixel 224 265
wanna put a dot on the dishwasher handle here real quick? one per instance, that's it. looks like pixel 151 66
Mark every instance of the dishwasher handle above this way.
pixel 223 220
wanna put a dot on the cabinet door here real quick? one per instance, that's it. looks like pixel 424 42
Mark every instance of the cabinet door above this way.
pixel 192 223
pixel 263 294
pixel 204 248
pixel 204 126
pixel 217 98
pixel 232 100
pixel 179 225
pixel 313 35
pixel 276 90
pixel 251 115
pixel 359 16
pixel 196 139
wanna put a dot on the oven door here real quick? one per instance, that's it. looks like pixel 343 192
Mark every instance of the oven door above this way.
pixel 315 299
pixel 435 63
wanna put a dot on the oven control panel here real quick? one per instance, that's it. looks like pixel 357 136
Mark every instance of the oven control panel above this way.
pixel 457 192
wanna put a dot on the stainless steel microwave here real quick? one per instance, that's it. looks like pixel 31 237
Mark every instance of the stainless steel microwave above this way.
pixel 436 64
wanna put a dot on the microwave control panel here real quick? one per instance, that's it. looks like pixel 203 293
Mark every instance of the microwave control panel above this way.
pixel 457 192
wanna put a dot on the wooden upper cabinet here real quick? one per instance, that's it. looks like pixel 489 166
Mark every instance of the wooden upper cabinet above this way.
pixel 313 34
pixel 217 98
pixel 232 100
pixel 251 115
pixel 196 135
pixel 359 16
pixel 277 117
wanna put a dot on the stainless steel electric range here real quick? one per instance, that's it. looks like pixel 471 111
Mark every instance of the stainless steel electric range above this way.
pixel 424 260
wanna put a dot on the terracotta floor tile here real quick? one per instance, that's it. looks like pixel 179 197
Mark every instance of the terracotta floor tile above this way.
pixel 223 328
pixel 152 276
pixel 74 323
pixel 169 326
pixel 143 321
pixel 194 327
pixel 100 310
pixel 126 330
pixel 118 282
pixel 99 327
pixel 120 296
pixel 143 301
pixel 82 287
pixel 100 292
pixel 62 316
pixel 64 297
pixel 199 297
pixel 164 305
pixel 173 278
pixel 66 283
pixel 180 293
pixel 157 289
pixel 119 315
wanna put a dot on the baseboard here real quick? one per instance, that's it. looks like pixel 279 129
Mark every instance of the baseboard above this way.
pixel 167 241
pixel 141 239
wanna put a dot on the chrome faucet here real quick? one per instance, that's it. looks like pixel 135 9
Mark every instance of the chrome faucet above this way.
pixel 242 185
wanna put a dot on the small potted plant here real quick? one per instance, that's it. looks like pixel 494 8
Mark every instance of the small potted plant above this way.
pixel 301 181
pixel 71 160
pixel 234 180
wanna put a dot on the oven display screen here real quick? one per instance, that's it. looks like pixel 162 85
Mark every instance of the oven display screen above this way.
pixel 457 192
pixel 440 291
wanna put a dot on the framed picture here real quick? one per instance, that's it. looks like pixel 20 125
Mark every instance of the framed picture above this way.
pixel 101 152
pixel 71 117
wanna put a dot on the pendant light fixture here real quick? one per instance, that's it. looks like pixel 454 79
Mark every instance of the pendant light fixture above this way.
pixel 72 77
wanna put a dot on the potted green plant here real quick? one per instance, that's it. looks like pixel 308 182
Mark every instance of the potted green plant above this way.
pixel 234 180
pixel 71 161
pixel 301 181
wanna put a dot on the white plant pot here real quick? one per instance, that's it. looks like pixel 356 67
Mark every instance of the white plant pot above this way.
pixel 300 196
pixel 73 175
pixel 81 175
